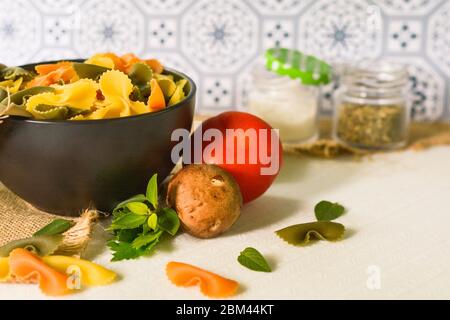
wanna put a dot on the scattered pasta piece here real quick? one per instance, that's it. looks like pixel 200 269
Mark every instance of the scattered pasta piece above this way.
pixel 211 284
pixel 156 100
pixel 91 274
pixel 4 269
pixel 302 234
pixel 25 265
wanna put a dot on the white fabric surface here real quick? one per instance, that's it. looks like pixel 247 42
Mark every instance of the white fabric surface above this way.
pixel 398 221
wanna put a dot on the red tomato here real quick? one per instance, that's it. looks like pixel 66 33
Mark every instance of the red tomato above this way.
pixel 247 168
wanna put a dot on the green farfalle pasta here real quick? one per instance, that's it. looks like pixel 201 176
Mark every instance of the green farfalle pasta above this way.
pixel 140 74
pixel 16 104
pixel 302 234
pixel 49 112
pixel 14 73
pixel 41 245
pixel 20 98
pixel 89 71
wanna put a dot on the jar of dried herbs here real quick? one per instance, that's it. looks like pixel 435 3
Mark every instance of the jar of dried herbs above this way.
pixel 372 108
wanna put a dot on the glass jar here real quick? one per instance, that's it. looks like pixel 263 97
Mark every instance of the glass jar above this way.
pixel 372 106
pixel 285 103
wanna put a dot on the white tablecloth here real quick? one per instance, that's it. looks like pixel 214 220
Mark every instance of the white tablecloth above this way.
pixel 397 242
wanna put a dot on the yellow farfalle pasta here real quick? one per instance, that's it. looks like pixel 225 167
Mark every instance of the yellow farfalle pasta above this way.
pixel 4 269
pixel 102 61
pixel 116 88
pixel 91 274
pixel 79 96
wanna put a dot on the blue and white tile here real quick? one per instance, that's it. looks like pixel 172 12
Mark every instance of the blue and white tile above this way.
pixel 407 7
pixel 219 36
pixel 106 25
pixel 427 89
pixel 217 94
pixel 405 35
pixel 58 6
pixel 162 33
pixel 278 33
pixel 57 31
pixel 279 7
pixel 163 7
pixel 244 83
pixel 438 44
pixel 20 31
pixel 339 30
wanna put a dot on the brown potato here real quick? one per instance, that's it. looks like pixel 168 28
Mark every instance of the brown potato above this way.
pixel 206 198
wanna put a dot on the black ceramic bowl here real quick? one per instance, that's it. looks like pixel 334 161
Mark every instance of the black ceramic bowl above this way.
pixel 64 167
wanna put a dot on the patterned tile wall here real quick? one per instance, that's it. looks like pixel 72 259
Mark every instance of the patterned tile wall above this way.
pixel 216 41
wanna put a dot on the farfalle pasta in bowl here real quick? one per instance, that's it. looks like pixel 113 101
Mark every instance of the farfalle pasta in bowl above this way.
pixel 89 133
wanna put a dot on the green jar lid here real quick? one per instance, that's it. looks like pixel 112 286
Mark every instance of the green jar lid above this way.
pixel 297 65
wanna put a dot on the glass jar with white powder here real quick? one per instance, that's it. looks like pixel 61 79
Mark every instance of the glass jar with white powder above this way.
pixel 286 94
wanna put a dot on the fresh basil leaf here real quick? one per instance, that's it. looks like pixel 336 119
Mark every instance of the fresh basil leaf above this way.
pixel 55 227
pixel 253 260
pixel 145 239
pixel 327 211
pixel 128 221
pixel 152 221
pixel 152 191
pixel 168 220
pixel 137 198
pixel 138 208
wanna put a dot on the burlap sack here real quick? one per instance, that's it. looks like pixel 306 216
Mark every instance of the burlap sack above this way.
pixel 19 220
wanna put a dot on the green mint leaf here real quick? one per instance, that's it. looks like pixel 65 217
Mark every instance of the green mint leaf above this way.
pixel 123 250
pixel 138 208
pixel 152 221
pixel 145 239
pixel 128 221
pixel 168 220
pixel 253 260
pixel 152 191
pixel 327 211
pixel 55 227
pixel 137 198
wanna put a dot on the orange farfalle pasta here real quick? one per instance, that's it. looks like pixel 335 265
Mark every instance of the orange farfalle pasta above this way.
pixel 24 265
pixel 156 101
pixel 49 74
pixel 211 284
